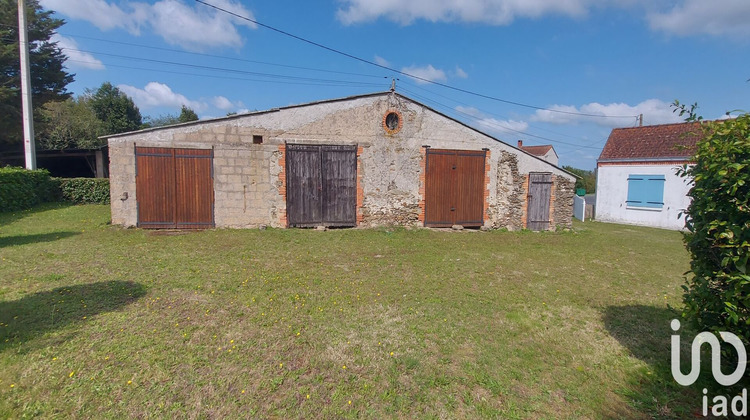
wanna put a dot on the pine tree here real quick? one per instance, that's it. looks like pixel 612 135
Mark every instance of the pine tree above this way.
pixel 48 76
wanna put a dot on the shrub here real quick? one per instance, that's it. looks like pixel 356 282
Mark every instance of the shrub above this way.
pixel 84 190
pixel 717 295
pixel 21 189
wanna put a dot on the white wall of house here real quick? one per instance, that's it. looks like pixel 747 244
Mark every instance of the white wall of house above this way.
pixel 551 157
pixel 612 193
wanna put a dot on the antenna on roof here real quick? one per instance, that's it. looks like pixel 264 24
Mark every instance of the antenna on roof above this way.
pixel 393 85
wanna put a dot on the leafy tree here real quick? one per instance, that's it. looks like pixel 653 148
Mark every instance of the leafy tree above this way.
pixel 187 115
pixel 115 109
pixel 160 121
pixel 586 180
pixel 48 76
pixel 70 124
pixel 717 294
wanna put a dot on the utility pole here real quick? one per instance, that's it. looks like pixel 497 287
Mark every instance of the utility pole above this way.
pixel 640 120
pixel 28 114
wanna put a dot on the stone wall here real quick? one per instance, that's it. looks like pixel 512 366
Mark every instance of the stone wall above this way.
pixel 508 206
pixel 249 179
pixel 562 212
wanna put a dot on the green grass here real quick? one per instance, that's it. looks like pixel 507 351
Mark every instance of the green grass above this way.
pixel 101 321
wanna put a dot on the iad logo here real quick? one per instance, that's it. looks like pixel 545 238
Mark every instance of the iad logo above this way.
pixel 720 401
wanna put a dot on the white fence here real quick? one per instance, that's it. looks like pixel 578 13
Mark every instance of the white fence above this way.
pixel 579 208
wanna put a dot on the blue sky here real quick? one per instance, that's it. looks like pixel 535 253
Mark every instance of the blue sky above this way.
pixel 614 59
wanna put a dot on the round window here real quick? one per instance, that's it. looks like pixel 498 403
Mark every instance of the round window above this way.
pixel 392 122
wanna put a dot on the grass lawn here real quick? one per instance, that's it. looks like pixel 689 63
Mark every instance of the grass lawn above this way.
pixel 101 321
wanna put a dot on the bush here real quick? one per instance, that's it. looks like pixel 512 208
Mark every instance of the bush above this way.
pixel 21 189
pixel 717 295
pixel 84 190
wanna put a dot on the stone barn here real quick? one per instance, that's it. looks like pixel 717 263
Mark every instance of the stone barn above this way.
pixel 369 160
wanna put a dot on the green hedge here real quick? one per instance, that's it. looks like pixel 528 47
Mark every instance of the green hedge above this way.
pixel 21 189
pixel 84 190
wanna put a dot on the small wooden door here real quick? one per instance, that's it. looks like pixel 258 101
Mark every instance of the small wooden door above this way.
pixel 454 188
pixel 174 188
pixel 321 185
pixel 540 191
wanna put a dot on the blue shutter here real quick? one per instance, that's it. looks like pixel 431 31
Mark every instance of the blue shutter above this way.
pixel 646 191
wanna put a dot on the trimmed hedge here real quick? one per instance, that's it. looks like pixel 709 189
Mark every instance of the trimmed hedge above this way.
pixel 21 189
pixel 84 190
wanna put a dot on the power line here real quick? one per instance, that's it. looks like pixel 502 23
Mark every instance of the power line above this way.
pixel 498 126
pixel 311 83
pixel 202 67
pixel 221 56
pixel 372 63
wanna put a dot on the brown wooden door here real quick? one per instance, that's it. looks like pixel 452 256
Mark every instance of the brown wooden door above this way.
pixel 540 192
pixel 321 185
pixel 454 188
pixel 174 188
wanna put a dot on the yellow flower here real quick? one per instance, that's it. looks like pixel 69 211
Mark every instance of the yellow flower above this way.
pixel 350 402
pixel 243 391
pixel 391 353
pixel 14 385
pixel 281 365
pixel 71 374
pixel 308 396
pixel 130 382
pixel 343 367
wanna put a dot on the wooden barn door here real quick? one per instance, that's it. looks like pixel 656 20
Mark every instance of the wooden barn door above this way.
pixel 454 188
pixel 174 188
pixel 321 185
pixel 540 191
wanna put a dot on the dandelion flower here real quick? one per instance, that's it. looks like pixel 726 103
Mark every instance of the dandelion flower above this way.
pixel 130 382
pixel 350 402
pixel 343 367
pixel 14 385
pixel 308 396
pixel 71 374
pixel 281 365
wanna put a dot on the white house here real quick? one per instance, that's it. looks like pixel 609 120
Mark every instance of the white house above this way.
pixel 637 181
pixel 544 151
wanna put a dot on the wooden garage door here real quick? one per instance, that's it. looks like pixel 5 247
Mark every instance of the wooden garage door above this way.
pixel 454 188
pixel 540 191
pixel 174 188
pixel 321 185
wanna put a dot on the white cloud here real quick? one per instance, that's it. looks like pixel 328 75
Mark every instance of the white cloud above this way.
pixel 425 73
pixel 493 125
pixel 714 17
pixel 76 59
pixel 460 73
pixel 382 61
pixel 496 12
pixel 225 104
pixel 194 27
pixel 156 94
pixel 654 111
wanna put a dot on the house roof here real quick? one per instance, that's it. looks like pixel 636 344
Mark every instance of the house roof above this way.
pixel 537 150
pixel 653 142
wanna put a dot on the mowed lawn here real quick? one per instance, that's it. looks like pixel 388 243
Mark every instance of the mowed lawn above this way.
pixel 100 321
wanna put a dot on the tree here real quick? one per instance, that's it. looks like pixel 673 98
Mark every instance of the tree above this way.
pixel 160 121
pixel 586 180
pixel 48 76
pixel 70 124
pixel 717 293
pixel 187 115
pixel 115 109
